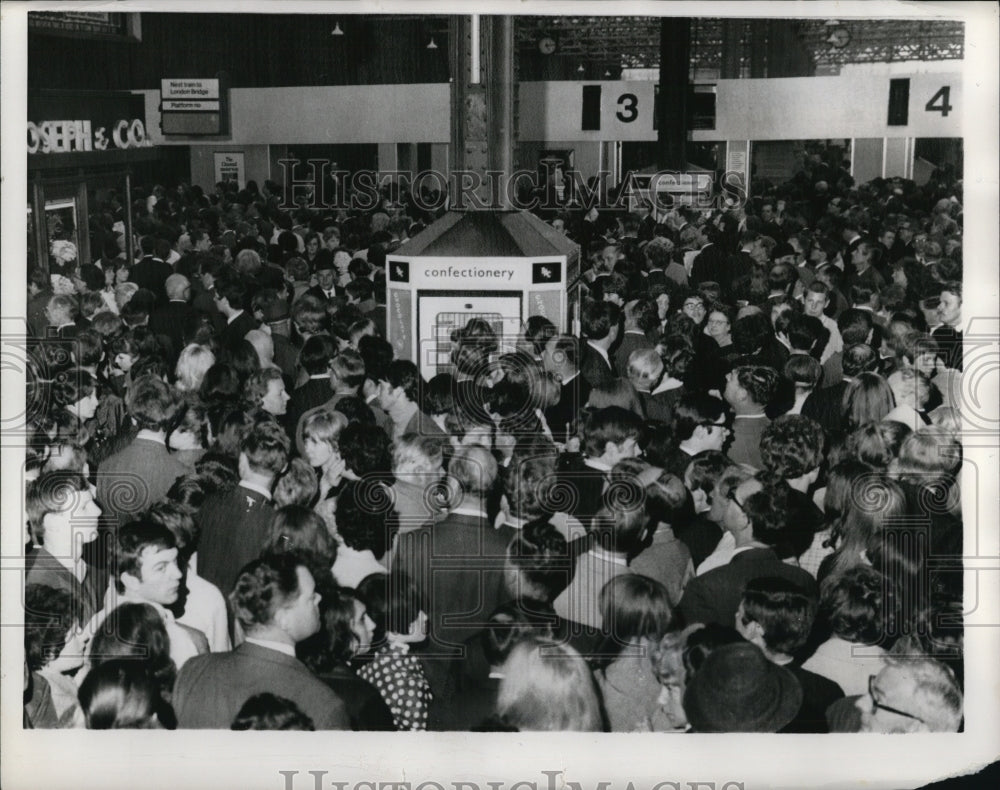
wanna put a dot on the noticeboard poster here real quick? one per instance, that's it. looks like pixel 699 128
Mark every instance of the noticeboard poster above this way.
pixel 230 166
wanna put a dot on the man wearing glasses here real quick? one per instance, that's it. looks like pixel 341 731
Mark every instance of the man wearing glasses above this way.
pixel 911 695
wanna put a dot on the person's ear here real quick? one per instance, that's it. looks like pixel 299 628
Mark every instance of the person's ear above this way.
pixel 129 582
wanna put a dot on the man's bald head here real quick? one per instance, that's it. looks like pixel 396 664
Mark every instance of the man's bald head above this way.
pixel 177 286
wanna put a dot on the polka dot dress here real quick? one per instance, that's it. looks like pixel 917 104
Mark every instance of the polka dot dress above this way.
pixel 400 680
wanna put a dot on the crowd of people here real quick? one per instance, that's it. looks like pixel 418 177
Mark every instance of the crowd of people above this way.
pixel 731 505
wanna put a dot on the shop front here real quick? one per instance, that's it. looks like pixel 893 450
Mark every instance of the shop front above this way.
pixel 86 154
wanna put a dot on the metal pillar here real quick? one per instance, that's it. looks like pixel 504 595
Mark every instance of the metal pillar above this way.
pixel 484 114
pixel 675 57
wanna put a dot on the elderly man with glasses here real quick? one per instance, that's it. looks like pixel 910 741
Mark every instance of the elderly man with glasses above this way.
pixel 911 695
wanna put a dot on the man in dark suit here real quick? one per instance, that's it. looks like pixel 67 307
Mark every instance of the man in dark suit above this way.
pixel 232 299
pixel 173 318
pixel 138 476
pixel 757 517
pixel 826 405
pixel 610 434
pixel 276 602
pixel 457 564
pixel 315 358
pixel 151 272
pixel 62 516
pixel 601 322
pixel 560 359
pixel 640 317
pixel 326 275
pixel 235 523
pixel 777 616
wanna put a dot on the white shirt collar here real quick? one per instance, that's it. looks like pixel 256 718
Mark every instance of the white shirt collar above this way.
pixel 233 317
pixel 606 556
pixel 281 647
pixel 568 379
pixel 467 510
pixel 594 463
pixel 151 436
pixel 598 349
pixel 750 416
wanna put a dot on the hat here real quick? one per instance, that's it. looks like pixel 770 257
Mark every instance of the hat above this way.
pixel 781 249
pixel 324 260
pixel 738 689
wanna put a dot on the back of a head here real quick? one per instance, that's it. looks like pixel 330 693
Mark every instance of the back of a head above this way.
pixel 610 424
pixel 633 608
pixel 783 610
pixel 263 587
pixel 513 622
pixel 121 694
pixel 270 712
pixel 266 448
pixel 547 686
pixel 792 446
pixel 474 468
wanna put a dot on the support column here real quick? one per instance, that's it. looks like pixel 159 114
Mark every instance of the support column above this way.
pixel 675 57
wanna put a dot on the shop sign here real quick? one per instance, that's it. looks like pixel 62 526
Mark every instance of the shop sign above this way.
pixel 59 137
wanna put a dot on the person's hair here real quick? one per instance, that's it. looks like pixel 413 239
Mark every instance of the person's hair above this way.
pixel 377 354
pixel 859 358
pixel 750 332
pixel 474 469
pixel 548 686
pixel 232 288
pixel 705 470
pixel 805 332
pixel 366 449
pixel 51 492
pixel 120 695
pixel 767 510
pixel 611 424
pixel 760 382
pixel 403 373
pixel 242 355
pixel 877 444
pixel 133 540
pixel 192 365
pixel 694 409
pixel 414 453
pixel 266 447
pixel 803 371
pixel 791 446
pixel 867 399
pixel 336 643
pixel 349 368
pixel 316 354
pixel 359 525
pixel 179 519
pixel 220 383
pixel 259 382
pixel 854 604
pixel 855 325
pixel 927 457
pixel 512 622
pixel 782 277
pixel 49 613
pixel 72 386
pixel 393 603
pixel 599 318
pixel 151 403
pixel 538 330
pixel 634 607
pixel 264 586
pixel 295 485
pixel 136 631
pixel 910 386
pixel 360 288
pixel 268 711
pixel 538 564
pixel 324 425
pixel 296 528
pixel 666 499
pixel 784 611
pixel 438 395
pixel 106 324
pixel 529 481
pixel 309 314
pixel 872 502
pixel 936 694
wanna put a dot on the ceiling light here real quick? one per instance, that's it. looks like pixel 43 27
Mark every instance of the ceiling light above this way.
pixel 432 44
pixel 336 30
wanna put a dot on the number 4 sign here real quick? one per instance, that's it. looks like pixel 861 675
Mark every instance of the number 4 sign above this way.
pixel 939 101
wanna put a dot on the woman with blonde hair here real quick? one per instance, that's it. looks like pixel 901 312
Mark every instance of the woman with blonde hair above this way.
pixel 320 432
pixel 192 365
pixel 547 686
pixel 867 399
